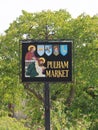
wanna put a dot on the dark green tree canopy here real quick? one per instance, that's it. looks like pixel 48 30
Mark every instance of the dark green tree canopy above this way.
pixel 72 103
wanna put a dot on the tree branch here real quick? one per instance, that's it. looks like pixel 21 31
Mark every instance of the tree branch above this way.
pixel 71 96
pixel 37 95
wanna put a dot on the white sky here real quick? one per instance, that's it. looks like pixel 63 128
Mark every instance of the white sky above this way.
pixel 11 9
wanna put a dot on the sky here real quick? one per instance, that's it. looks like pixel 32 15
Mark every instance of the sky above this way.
pixel 11 9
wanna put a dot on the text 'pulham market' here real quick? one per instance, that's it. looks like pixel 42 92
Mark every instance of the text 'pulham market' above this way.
pixel 57 69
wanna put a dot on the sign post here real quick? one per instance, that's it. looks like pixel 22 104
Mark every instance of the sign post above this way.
pixel 47 96
pixel 47 106
pixel 47 61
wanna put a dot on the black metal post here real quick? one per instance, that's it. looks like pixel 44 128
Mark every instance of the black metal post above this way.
pixel 47 106
pixel 47 96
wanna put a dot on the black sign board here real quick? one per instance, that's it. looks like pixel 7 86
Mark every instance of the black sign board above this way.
pixel 47 61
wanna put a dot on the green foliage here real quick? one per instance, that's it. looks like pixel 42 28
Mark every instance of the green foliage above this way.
pixel 94 125
pixel 74 106
pixel 7 123
pixel 34 111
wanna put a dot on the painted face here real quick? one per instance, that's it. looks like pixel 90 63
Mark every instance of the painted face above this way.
pixel 32 49
pixel 41 62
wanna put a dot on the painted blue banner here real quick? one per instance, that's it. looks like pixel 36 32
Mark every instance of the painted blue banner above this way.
pixel 64 50
pixel 40 50
pixel 48 50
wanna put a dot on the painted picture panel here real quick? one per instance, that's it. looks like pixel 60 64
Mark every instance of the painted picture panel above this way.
pixel 49 61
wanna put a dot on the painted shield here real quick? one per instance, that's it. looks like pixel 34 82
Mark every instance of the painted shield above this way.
pixel 40 50
pixel 63 49
pixel 56 50
pixel 48 50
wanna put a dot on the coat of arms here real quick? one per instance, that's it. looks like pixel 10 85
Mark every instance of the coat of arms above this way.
pixel 63 49
pixel 48 50
pixel 40 50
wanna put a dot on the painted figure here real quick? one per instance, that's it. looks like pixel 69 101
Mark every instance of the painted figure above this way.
pixel 40 68
pixel 30 54
pixel 56 50
pixel 31 70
